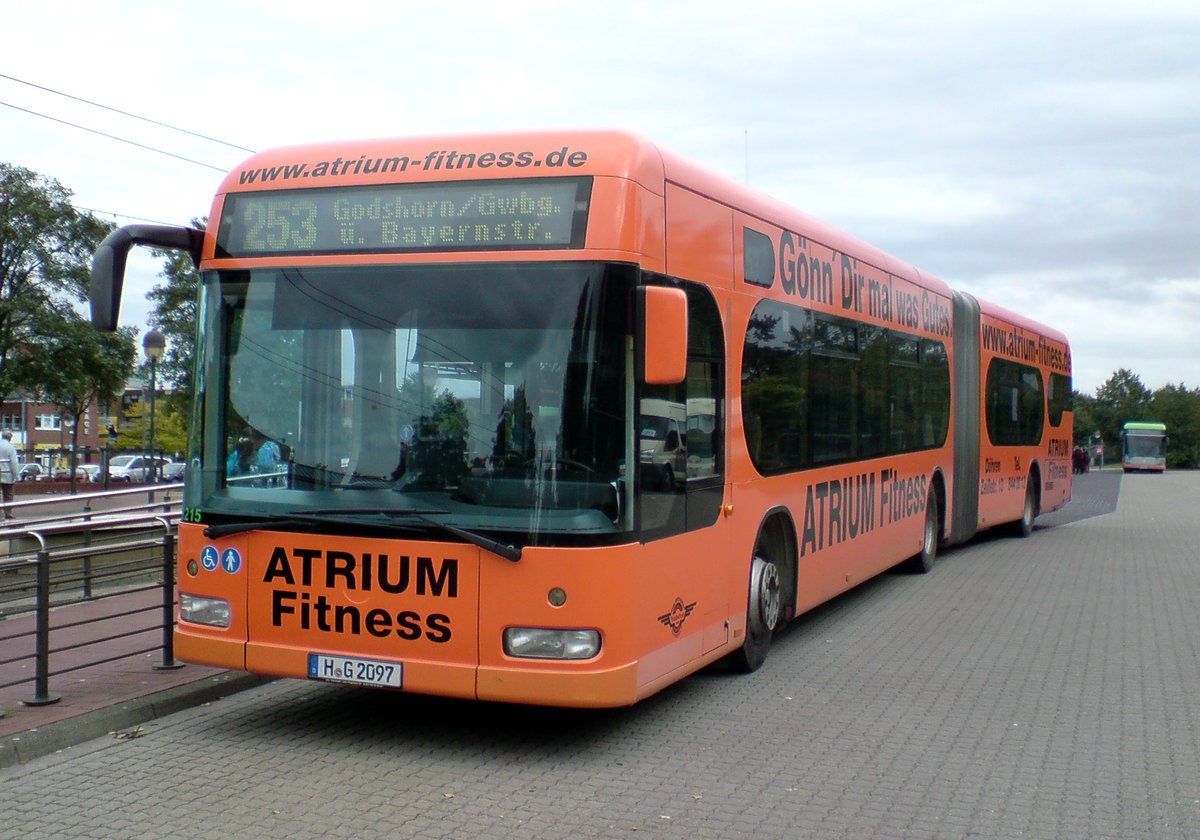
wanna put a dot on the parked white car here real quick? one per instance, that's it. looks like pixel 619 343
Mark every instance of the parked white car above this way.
pixel 33 471
pixel 88 472
pixel 126 468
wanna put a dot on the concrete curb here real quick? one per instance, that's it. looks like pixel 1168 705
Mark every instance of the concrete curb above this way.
pixel 35 743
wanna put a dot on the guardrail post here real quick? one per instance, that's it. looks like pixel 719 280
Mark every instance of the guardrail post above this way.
pixel 168 602
pixel 42 695
pixel 87 561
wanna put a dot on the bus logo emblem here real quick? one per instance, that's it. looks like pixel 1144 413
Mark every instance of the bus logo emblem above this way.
pixel 678 614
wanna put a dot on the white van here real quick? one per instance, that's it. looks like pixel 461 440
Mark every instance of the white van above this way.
pixel 128 468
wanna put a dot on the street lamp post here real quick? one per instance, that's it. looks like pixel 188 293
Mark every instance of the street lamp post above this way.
pixel 155 344
pixel 65 423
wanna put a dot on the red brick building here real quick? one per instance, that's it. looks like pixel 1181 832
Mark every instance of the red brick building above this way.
pixel 40 433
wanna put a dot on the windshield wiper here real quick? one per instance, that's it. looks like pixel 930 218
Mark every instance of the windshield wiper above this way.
pixel 308 517
pixel 508 552
pixel 217 531
pixel 371 511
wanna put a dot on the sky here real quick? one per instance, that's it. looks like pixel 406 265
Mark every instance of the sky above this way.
pixel 1044 156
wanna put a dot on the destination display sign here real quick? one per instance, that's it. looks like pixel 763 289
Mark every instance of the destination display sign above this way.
pixel 395 218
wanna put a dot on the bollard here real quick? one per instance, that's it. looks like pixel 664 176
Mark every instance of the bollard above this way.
pixel 168 604
pixel 87 567
pixel 42 695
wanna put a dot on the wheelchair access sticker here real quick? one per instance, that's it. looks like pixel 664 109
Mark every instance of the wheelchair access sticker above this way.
pixel 209 558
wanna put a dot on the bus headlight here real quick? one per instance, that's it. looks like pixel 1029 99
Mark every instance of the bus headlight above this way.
pixel 541 643
pixel 196 609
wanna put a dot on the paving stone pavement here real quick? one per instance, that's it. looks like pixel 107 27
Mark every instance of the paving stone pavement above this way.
pixel 1040 688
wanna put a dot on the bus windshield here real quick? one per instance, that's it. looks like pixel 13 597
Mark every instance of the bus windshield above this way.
pixel 1145 445
pixel 490 397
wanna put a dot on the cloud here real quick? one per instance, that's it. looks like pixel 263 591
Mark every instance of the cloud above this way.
pixel 1043 155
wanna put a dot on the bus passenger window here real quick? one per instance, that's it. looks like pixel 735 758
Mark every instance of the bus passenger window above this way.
pixel 1015 404
pixel 1058 397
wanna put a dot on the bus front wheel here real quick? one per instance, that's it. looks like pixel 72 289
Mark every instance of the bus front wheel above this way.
pixel 762 614
pixel 922 562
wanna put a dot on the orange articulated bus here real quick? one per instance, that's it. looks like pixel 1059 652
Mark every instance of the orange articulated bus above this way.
pixel 561 418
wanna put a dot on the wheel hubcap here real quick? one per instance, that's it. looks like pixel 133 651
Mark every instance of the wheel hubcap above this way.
pixel 765 597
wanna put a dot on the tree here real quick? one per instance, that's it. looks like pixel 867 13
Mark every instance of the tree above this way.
pixel 71 364
pixel 1121 399
pixel 46 248
pixel 1087 421
pixel 1179 408
pixel 174 311
pixel 170 430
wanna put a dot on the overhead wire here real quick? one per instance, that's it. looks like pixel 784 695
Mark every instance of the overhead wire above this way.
pixel 114 137
pixel 116 215
pixel 120 139
pixel 125 113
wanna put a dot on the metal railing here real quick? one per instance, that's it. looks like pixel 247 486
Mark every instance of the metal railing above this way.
pixel 103 550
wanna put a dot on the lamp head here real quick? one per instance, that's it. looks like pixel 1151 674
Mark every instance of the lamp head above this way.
pixel 155 344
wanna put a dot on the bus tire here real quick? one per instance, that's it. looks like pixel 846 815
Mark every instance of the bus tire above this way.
pixel 1023 527
pixel 922 562
pixel 762 613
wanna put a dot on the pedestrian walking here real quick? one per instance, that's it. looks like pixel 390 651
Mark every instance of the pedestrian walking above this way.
pixel 8 471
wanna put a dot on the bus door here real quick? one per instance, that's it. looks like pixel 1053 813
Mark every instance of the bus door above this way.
pixel 689 585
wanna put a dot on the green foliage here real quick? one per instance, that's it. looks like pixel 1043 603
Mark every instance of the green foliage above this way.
pixel 46 248
pixel 440 455
pixel 1087 419
pixel 1179 408
pixel 175 311
pixel 70 364
pixel 46 348
pixel 1123 398
pixel 170 429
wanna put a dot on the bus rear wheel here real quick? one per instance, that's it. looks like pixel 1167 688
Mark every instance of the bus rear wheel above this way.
pixel 1023 527
pixel 762 613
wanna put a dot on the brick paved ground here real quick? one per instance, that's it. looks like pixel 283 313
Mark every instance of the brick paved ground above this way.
pixel 1041 688
pixel 134 618
pixel 1095 494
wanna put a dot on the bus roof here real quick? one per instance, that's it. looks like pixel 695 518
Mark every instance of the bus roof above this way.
pixel 597 152
pixel 1136 426
pixel 1022 321
pixel 455 157
pixel 473 157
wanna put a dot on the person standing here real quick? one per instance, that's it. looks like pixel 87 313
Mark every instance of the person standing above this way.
pixel 8 471
pixel 266 460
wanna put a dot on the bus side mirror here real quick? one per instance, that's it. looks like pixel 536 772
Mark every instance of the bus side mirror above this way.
pixel 108 264
pixel 664 325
